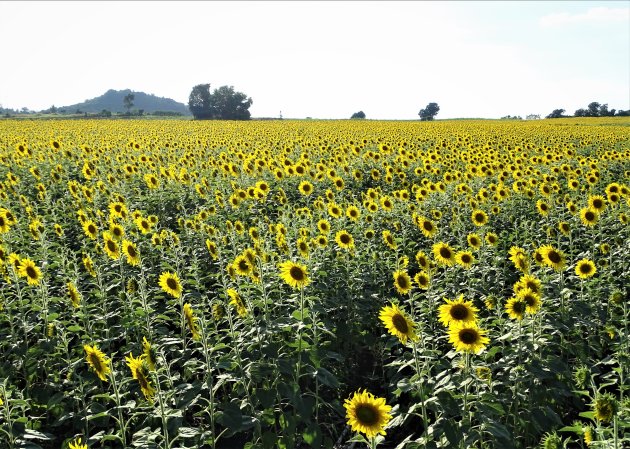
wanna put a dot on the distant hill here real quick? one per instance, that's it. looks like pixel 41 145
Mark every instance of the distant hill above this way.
pixel 112 100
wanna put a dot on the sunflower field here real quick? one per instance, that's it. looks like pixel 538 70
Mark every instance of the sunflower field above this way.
pixel 293 284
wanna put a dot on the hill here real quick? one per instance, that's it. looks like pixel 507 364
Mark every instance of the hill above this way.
pixel 112 100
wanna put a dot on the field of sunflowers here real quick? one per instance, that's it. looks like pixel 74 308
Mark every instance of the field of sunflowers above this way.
pixel 294 284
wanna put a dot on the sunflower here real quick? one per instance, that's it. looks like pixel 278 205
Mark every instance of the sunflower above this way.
pixel 116 230
pixel 294 274
pixel 151 181
pixel 148 352
pixel 131 252
pixel 170 284
pixel 237 302
pixel 303 247
pixel 457 311
pixel 467 337
pixel 474 241
pixel 423 260
pixel 323 226
pixel 89 265
pixel 97 361
pixel 597 203
pixel 491 238
pixel 74 295
pixel 427 227
pixel 77 444
pixel 389 240
pixel 444 254
pixel 604 407
pixel 479 217
pixel 110 246
pixel 465 259
pixel 242 265
pixel 305 188
pixel 402 282
pixel 30 271
pixel 191 321
pixel 585 269
pixel 367 414
pixel 530 282
pixel 589 217
pixel 334 210
pixel 531 300
pixel 90 229
pixel 553 258
pixel 422 279
pixel 344 240
pixel 397 323
pixel 140 371
pixel 353 213
pixel 213 249
pixel 543 207
pixel 564 228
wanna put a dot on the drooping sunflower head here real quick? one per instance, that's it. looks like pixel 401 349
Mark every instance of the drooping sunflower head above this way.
pixel 605 407
pixel 457 310
pixel 97 360
pixel 397 323
pixel 131 252
pixel 367 414
pixel 389 240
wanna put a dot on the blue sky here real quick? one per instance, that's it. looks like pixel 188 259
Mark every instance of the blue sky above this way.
pixel 324 59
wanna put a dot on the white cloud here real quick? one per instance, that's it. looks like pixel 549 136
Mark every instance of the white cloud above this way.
pixel 593 15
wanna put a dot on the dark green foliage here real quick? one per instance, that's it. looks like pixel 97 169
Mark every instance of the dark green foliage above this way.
pixel 359 115
pixel 429 112
pixel 557 113
pixel 223 104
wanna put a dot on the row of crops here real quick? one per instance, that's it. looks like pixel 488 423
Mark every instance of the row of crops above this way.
pixel 292 284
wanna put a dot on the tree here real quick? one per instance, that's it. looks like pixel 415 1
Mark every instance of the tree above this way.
pixel 199 102
pixel 429 112
pixel 593 109
pixel 360 115
pixel 557 113
pixel 581 113
pixel 223 104
pixel 128 102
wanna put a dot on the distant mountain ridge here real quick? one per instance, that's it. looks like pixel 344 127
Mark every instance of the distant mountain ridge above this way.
pixel 112 100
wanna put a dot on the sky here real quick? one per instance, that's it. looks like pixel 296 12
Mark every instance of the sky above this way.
pixel 324 59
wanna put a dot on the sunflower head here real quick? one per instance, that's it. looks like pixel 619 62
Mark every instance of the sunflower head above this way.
pixel 585 269
pixel 457 310
pixel 294 274
pixel 467 337
pixel 367 414
pixel 402 282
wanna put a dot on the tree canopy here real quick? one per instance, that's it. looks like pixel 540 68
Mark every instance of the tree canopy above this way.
pixel 223 103
pixel 429 112
pixel 359 115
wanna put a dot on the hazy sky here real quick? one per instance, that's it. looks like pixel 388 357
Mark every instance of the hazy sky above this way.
pixel 324 59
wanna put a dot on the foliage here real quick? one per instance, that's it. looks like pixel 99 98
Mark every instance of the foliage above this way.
pixel 223 104
pixel 429 112
pixel 191 284
pixel 556 113
pixel 358 115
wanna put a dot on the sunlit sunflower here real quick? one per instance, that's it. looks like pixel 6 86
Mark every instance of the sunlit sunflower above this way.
pixel 530 282
pixel 397 323
pixel 89 265
pixel 170 284
pixel 97 361
pixel 305 188
pixel 564 228
pixel 237 302
pixel 422 279
pixel 191 321
pixel 589 217
pixel 90 229
pixel 389 240
pixel 213 249
pixel 443 254
pixel 423 260
pixel 553 258
pixel 344 240
pixel 402 282
pixel 323 226
pixel 367 414
pixel 457 310
pixel 491 238
pixel 243 265
pixel 294 274
pixel 479 217
pixel 30 271
pixel 74 295
pixel 585 269
pixel 467 337
pixel 426 226
pixel 110 246
pixel 131 252
pixel 531 300
pixel 77 444
pixel 465 259
pixel 149 354
pixel 140 371
pixel 353 213
pixel 597 203
pixel 474 241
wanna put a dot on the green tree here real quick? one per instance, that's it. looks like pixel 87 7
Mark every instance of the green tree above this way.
pixel 429 112
pixel 223 104
pixel 199 102
pixel 593 109
pixel 128 102
pixel 557 113
pixel 359 115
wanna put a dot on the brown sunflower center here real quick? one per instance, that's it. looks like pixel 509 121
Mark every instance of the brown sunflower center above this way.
pixel 519 307
pixel 468 336
pixel 131 251
pixel 402 282
pixel 466 259
pixel 589 216
pixel 427 226
pixel 31 273
pixel 96 363
pixel 445 253
pixel 111 245
pixel 367 415
pixel 243 265
pixel 171 283
pixel 554 257
pixel 344 238
pixel 459 312
pixel 400 323
pixel 585 268
pixel 296 273
pixel 479 218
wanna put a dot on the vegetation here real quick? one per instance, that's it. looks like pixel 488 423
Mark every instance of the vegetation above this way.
pixel 429 112
pixel 358 115
pixel 292 284
pixel 222 104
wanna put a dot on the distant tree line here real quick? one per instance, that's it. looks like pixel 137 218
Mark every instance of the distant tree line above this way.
pixel 594 109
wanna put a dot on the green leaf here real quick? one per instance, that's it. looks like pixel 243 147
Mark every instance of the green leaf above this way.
pixel 326 378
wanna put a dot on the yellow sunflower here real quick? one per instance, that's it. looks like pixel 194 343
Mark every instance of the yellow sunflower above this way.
pixel 389 240
pixel 74 295
pixel 467 337
pixel 427 227
pixel 457 310
pixel 474 241
pixel 516 308
pixel 97 361
pixel 531 300
pixel 344 240
pixel 530 282
pixel 148 352
pixel 585 269
pixel 191 321
pixel 479 217
pixel 237 302
pixel 77 444
pixel 90 229
pixel 465 259
pixel 242 265
pixel 397 323
pixel 30 271
pixel 553 258
pixel 110 246
pixel 140 371
pixel 294 274
pixel 444 254
pixel 589 217
pixel 170 284
pixel 402 282
pixel 131 252
pixel 367 414
pixel 422 279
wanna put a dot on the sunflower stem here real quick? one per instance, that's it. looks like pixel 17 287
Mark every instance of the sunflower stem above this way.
pixel 121 419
